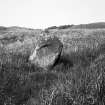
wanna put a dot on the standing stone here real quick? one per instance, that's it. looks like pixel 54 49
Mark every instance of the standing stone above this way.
pixel 47 52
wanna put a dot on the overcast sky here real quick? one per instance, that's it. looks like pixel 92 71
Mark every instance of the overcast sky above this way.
pixel 46 13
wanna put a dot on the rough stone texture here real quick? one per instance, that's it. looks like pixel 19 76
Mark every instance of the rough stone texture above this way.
pixel 47 52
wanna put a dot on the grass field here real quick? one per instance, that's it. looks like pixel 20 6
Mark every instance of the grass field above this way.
pixel 78 79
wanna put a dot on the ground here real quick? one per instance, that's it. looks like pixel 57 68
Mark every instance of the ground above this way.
pixel 78 79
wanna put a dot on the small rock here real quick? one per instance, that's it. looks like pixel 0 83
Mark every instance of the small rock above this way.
pixel 47 52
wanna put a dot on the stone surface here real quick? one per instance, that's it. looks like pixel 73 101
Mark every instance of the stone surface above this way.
pixel 47 52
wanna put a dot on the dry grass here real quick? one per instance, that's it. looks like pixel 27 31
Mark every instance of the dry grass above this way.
pixel 78 79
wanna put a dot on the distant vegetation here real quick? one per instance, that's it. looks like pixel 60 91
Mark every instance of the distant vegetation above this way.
pixel 78 79
pixel 90 26
pixel 97 25
pixel 2 28
pixel 60 27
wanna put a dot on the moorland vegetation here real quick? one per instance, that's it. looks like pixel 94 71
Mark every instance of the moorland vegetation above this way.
pixel 77 79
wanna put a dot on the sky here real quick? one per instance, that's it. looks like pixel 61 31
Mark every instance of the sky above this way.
pixel 40 14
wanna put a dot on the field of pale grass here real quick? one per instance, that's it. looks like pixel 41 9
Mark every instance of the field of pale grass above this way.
pixel 78 79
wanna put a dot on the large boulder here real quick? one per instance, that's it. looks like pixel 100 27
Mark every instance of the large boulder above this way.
pixel 47 52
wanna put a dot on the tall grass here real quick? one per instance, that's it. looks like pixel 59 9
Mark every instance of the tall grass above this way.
pixel 78 79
